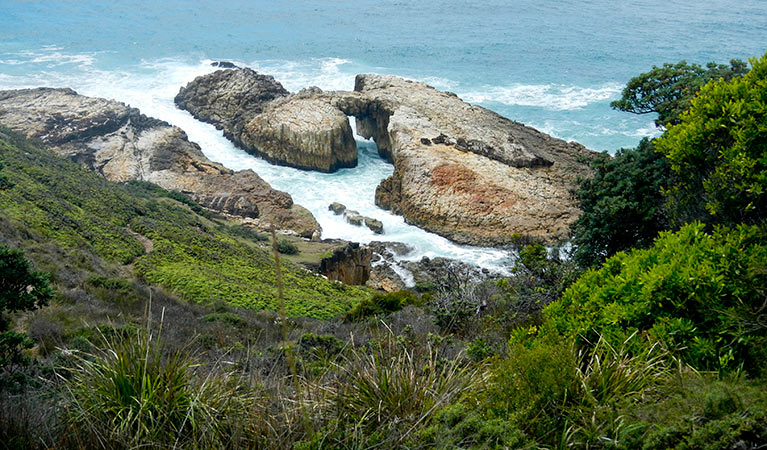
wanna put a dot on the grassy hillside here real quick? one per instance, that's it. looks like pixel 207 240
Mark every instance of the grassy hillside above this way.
pixel 65 217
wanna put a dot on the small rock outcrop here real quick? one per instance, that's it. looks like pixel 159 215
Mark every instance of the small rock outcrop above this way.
pixel 374 225
pixel 256 113
pixel 122 144
pixel 349 264
pixel 337 208
pixel 229 98
pixel 355 218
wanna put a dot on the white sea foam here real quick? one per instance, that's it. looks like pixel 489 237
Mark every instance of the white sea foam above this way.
pixel 549 96
pixel 151 88
pixel 325 73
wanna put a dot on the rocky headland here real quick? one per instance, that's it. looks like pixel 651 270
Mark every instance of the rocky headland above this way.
pixel 461 171
pixel 122 144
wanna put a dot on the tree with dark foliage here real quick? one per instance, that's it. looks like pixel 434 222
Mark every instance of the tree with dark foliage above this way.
pixel 668 90
pixel 21 289
pixel 623 205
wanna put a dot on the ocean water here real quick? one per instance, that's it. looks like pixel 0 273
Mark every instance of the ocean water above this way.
pixel 550 64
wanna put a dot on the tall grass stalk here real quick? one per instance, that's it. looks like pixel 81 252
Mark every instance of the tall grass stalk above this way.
pixel 284 323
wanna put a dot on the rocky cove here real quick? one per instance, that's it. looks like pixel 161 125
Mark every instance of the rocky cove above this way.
pixel 460 171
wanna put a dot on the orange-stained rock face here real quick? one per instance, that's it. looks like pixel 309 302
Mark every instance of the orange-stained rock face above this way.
pixel 465 172
pixel 482 197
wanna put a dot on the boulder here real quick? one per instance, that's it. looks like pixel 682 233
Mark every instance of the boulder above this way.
pixel 229 98
pixel 122 144
pixel 375 225
pixel 337 208
pixel 304 132
pixel 353 217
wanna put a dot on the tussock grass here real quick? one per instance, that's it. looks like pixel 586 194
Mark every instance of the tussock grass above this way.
pixel 381 394
pixel 131 394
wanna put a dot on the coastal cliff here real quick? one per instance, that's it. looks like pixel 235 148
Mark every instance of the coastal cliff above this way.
pixel 122 144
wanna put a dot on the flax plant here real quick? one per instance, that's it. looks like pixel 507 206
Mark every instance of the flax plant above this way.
pixel 131 394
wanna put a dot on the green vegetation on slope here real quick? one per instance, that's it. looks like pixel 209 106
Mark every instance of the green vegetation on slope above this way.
pixel 55 201
pixel 699 294
pixel 623 205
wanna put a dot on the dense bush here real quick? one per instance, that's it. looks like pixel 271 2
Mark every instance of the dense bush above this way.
pixel 21 289
pixel 286 247
pixel 718 152
pixel 133 394
pixel 700 294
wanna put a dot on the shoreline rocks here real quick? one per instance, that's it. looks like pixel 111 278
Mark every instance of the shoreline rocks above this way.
pixel 355 218
pixel 461 171
pixel 465 172
pixel 259 115
pixel 349 264
pixel 122 144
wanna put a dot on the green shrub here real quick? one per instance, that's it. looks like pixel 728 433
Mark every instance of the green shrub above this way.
pixel 21 289
pixel 698 412
pixel 391 392
pixel 479 350
pixel 623 204
pixel 382 304
pixel 286 247
pixel 563 396
pixel 699 294
pixel 718 152
pixel 244 232
pixel 458 426
pixel 320 344
pixel 226 317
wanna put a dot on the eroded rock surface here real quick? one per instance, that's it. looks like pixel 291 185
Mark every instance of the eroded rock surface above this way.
pixel 256 113
pixel 229 98
pixel 122 144
pixel 461 171
pixel 303 131
pixel 349 264
pixel 465 172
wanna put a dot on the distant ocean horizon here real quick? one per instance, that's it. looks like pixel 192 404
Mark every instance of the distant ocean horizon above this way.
pixel 549 64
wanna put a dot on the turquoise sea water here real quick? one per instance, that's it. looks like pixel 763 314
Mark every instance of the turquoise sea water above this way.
pixel 554 65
